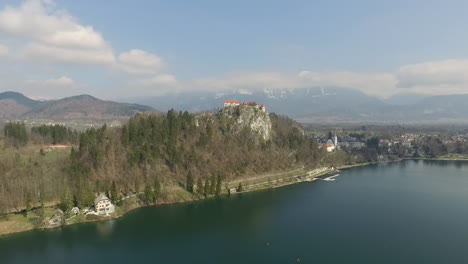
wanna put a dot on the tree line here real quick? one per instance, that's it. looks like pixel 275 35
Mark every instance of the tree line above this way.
pixel 148 154
pixel 18 135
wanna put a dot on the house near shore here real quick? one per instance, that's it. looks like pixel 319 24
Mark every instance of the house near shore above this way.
pixel 75 211
pixel 103 205
pixel 57 218
pixel 330 146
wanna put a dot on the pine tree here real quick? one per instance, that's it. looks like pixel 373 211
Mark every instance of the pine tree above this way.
pixel 28 201
pixel 212 185
pixel 113 192
pixel 66 203
pixel 239 188
pixel 218 186
pixel 189 184
pixel 42 209
pixel 149 195
pixel 206 190
pixel 157 189
pixel 200 186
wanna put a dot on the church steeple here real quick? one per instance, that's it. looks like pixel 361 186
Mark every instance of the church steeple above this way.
pixel 335 140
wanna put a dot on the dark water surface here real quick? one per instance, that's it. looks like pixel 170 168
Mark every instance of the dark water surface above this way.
pixel 406 212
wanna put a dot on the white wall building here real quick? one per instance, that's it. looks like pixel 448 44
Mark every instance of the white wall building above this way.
pixel 103 205
pixel 231 103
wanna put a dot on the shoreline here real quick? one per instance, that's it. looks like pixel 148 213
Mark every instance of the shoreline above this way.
pixel 438 159
pixel 196 198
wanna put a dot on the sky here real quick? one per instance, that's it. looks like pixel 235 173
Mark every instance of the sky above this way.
pixel 123 49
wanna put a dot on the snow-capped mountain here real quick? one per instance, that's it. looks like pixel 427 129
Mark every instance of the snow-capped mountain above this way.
pixel 326 104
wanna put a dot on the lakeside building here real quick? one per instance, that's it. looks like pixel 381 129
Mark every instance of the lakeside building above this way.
pixel 330 145
pixel 103 205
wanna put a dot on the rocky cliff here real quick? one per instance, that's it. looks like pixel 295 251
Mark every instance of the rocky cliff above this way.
pixel 252 117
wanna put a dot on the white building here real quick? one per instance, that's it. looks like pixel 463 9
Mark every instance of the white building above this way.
pixel 75 211
pixel 103 205
pixel 330 147
pixel 231 103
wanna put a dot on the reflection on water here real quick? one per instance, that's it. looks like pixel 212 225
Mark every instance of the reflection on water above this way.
pixel 402 212
pixel 105 229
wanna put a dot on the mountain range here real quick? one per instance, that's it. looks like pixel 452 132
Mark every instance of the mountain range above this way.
pixel 328 105
pixel 16 106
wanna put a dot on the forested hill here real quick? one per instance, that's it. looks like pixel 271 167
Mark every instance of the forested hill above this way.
pixel 183 149
pixel 16 106
pixel 173 149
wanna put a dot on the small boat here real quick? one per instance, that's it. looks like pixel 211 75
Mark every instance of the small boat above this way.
pixel 331 178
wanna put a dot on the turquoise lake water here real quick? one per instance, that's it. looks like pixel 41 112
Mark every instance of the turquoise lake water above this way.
pixel 403 212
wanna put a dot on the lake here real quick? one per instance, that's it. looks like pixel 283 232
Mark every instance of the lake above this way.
pixel 402 212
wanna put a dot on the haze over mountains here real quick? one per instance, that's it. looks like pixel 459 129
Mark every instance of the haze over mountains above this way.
pixel 313 105
pixel 16 106
pixel 330 105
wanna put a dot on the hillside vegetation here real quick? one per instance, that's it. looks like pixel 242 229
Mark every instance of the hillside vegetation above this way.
pixel 151 151
pixel 82 108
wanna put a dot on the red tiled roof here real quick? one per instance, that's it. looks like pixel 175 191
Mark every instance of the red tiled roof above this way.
pixel 231 102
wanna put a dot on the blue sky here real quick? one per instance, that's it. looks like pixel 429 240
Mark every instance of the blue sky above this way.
pixel 116 49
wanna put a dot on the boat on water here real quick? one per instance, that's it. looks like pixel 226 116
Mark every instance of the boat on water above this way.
pixel 331 178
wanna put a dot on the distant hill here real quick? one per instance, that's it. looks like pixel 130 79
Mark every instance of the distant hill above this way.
pixel 15 106
pixel 314 104
pixel 310 105
pixel 441 107
pixel 329 105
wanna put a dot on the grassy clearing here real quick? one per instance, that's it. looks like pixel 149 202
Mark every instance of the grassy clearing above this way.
pixel 22 222
pixel 14 223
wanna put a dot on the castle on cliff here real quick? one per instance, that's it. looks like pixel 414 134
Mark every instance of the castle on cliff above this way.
pixel 231 103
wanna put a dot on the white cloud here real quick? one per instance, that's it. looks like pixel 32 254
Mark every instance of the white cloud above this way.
pixel 140 62
pixel 46 34
pixel 52 88
pixel 433 73
pixel 379 84
pixel 252 81
pixel 47 53
pixel 60 81
pixel 64 81
pixel 42 32
pixel 165 80
pixel 54 35
pixel 433 78
pixel 4 50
